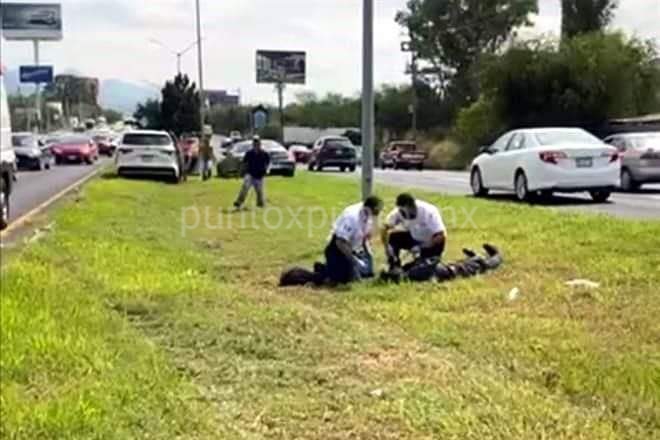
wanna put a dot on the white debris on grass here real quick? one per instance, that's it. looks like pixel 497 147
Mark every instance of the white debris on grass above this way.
pixel 580 283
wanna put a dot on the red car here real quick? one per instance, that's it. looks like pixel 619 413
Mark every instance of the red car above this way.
pixel 75 149
pixel 105 144
pixel 402 155
pixel 301 153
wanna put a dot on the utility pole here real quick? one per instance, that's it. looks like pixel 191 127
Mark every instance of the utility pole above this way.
pixel 415 98
pixel 368 130
pixel 280 96
pixel 37 85
pixel 407 46
pixel 201 69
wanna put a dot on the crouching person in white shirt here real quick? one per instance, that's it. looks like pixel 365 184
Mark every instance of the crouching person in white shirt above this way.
pixel 415 226
pixel 348 255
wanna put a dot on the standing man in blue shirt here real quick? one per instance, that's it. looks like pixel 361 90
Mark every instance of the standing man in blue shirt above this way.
pixel 255 162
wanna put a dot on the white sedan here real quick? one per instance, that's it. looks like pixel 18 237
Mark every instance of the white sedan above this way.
pixel 546 160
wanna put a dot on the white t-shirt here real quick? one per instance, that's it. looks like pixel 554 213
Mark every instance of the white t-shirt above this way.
pixel 354 225
pixel 427 223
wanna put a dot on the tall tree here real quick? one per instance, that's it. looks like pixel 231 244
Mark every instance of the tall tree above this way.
pixel 180 106
pixel 148 114
pixel 583 16
pixel 453 35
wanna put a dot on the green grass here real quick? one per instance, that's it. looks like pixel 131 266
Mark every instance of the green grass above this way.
pixel 115 325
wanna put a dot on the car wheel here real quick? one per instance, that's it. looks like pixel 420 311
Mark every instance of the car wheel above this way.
pixel 47 165
pixel 420 167
pixel 600 196
pixel 628 181
pixel 342 169
pixel 4 204
pixel 352 169
pixel 520 184
pixel 319 167
pixel 310 166
pixel 89 161
pixel 477 184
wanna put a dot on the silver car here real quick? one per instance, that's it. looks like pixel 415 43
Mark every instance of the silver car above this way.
pixel 641 158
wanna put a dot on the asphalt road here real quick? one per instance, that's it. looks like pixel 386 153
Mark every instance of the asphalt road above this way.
pixel 644 204
pixel 35 187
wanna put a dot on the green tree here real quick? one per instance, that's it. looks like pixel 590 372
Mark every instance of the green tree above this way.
pixel 586 81
pixel 112 116
pixel 584 16
pixel 148 114
pixel 180 106
pixel 227 119
pixel 453 35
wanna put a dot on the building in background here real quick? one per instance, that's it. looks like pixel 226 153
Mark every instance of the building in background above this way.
pixel 222 98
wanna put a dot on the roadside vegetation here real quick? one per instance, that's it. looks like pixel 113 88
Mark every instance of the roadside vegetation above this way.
pixel 116 325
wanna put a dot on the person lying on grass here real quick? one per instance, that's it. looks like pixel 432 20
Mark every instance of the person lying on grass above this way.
pixel 415 226
pixel 348 255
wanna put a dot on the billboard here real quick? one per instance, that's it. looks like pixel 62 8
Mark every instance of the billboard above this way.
pixel 31 21
pixel 281 66
pixel 36 74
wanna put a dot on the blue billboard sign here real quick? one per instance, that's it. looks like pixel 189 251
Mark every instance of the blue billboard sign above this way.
pixel 36 74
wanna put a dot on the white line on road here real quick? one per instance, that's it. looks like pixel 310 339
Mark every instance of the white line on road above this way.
pixel 35 211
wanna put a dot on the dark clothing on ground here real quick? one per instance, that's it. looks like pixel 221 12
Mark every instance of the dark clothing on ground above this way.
pixel 403 240
pixel 256 163
pixel 342 269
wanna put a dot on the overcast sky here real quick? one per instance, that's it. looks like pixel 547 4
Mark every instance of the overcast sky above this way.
pixel 110 39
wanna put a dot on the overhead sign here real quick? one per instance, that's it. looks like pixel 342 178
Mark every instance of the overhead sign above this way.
pixel 281 67
pixel 36 74
pixel 31 21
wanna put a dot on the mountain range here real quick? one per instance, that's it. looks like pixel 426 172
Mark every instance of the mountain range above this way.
pixel 122 96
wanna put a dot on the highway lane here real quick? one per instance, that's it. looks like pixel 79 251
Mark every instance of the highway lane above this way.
pixel 644 204
pixel 35 187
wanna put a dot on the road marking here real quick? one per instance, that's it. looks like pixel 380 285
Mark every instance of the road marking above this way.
pixel 25 218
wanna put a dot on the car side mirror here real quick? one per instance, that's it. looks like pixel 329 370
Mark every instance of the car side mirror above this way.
pixel 486 149
pixel 41 143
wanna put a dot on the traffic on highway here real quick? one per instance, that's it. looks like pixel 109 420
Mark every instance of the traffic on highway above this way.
pixel 312 219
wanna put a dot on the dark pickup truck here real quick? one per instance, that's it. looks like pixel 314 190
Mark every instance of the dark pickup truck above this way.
pixel 402 155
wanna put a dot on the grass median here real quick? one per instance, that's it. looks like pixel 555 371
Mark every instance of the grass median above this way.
pixel 152 311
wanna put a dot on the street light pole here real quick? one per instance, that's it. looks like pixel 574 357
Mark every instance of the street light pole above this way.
pixel 367 98
pixel 200 65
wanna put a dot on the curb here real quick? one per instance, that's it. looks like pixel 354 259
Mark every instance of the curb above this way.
pixel 25 218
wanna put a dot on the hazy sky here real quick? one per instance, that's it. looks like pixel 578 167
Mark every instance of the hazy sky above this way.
pixel 110 39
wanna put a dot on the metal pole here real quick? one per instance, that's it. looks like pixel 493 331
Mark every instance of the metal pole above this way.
pixel 178 64
pixel 367 98
pixel 415 99
pixel 201 69
pixel 280 97
pixel 38 86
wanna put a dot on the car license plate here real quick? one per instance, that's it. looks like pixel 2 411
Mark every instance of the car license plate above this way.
pixel 584 162
pixel 73 157
pixel 147 158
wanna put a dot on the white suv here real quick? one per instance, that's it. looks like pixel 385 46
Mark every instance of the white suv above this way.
pixel 146 152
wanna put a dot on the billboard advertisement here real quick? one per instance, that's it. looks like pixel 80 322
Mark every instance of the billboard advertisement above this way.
pixel 281 66
pixel 36 74
pixel 31 21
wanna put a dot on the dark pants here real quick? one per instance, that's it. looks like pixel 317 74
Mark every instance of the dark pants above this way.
pixel 402 240
pixel 342 269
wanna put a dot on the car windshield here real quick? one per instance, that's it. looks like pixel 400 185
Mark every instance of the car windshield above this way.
pixel 140 139
pixel 73 141
pixel 404 147
pixel 22 141
pixel 338 144
pixel 566 137
pixel 651 141
pixel 242 148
